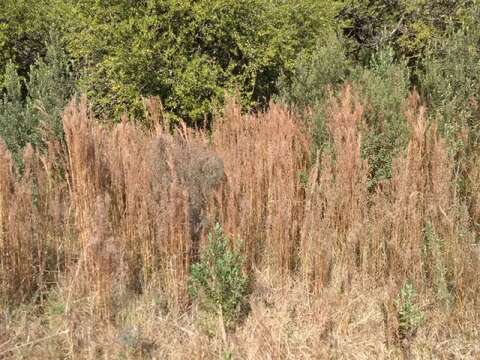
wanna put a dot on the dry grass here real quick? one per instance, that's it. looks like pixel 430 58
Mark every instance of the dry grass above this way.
pixel 98 233
pixel 262 199
pixel 286 322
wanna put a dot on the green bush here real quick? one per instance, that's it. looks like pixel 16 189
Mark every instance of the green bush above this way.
pixel 218 282
pixel 24 31
pixel 50 86
pixel 48 89
pixel 384 87
pixel 410 317
pixel 450 83
pixel 315 72
pixel 16 127
pixel 316 76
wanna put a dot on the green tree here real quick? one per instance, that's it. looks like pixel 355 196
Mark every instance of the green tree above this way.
pixel 190 53
pixel 25 26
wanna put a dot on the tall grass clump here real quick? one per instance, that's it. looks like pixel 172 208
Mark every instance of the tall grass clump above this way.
pixel 349 232
pixel 450 85
pixel 142 229
pixel 34 220
pixel 81 212
pixel 425 202
pixel 335 206
pixel 261 201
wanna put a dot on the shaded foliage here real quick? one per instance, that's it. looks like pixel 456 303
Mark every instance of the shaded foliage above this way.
pixel 26 119
pixel 406 25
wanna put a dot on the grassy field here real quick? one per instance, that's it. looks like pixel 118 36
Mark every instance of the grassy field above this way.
pixel 98 235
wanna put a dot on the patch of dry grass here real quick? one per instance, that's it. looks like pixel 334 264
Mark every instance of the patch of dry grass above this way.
pixel 286 322
pixel 97 236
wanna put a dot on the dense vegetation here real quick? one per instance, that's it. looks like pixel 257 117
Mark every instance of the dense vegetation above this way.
pixel 338 139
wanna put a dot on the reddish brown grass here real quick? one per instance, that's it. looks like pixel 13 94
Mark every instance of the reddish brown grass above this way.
pixel 121 211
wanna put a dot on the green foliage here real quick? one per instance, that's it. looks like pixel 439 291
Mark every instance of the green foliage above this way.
pixel 16 128
pixel 136 345
pixel 48 89
pixel 384 86
pixel 370 25
pixel 51 85
pixel 24 30
pixel 315 73
pixel 217 282
pixel 433 253
pixel 227 355
pixel 410 317
pixel 190 53
pixel 450 83
pixel 405 25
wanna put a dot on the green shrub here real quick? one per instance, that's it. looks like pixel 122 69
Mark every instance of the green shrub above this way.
pixel 384 87
pixel 28 104
pixel 410 317
pixel 316 76
pixel 405 25
pixel 24 31
pixel 21 34
pixel 50 86
pixel 16 127
pixel 218 282
pixel 450 83
pixel 316 72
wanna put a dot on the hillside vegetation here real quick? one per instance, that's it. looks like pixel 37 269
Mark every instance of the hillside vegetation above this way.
pixel 255 179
